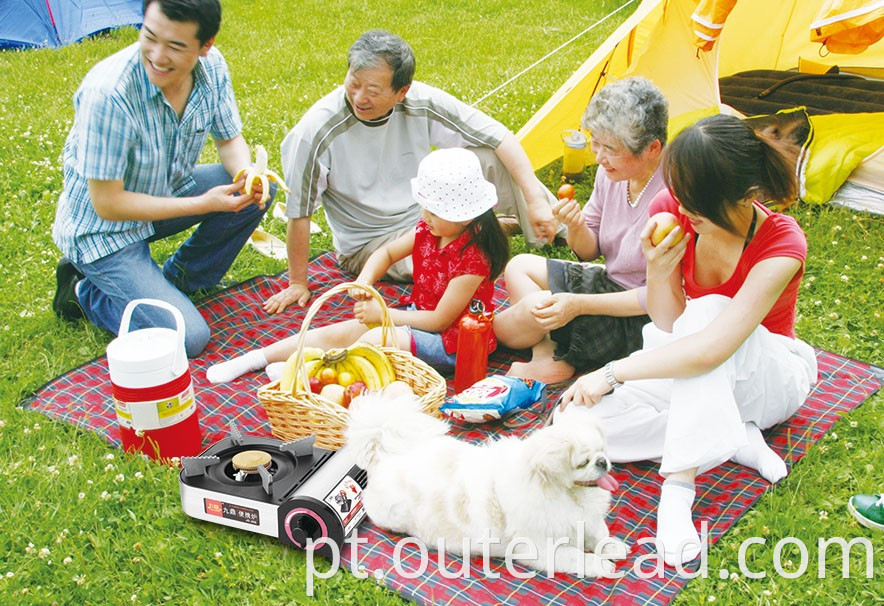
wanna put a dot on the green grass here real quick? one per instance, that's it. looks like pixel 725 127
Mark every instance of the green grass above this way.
pixel 84 524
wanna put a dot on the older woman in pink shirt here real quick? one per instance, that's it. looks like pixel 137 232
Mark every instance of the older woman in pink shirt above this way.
pixel 577 316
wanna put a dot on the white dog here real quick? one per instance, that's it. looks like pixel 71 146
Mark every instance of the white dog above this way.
pixel 522 494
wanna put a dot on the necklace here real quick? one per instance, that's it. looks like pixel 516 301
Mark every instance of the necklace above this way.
pixel 629 200
pixel 751 231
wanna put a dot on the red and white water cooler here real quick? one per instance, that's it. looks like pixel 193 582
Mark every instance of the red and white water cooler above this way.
pixel 153 392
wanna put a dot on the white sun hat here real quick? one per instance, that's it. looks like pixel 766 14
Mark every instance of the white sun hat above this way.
pixel 450 185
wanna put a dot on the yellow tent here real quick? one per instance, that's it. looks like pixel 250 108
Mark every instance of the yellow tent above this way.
pixel 660 41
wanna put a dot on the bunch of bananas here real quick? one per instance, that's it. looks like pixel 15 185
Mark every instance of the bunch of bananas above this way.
pixel 360 362
pixel 260 173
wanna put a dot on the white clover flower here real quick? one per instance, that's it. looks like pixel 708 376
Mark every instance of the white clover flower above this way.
pixel 67 560
pixel 138 475
pixel 119 477
pixel 44 552
pixel 30 548
pixel 817 302
pixel 2 423
pixel 217 554
pixel 811 278
pixel 10 574
pixel 766 592
pixel 36 427
pixel 824 515
pixel 73 459
pixel 79 579
pixel 81 496
pixel 109 456
pixel 90 482
pixel 844 278
pixel 836 228
pixel 105 495
pixel 109 466
pixel 833 315
pixel 854 424
pixel 710 598
pixel 26 430
pixel 837 301
pixel 848 445
pixel 734 576
pixel 863 258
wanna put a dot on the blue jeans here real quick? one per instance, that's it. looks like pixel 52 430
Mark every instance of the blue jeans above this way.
pixel 200 262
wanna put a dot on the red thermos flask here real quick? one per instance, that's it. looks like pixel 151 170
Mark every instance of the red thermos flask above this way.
pixel 473 337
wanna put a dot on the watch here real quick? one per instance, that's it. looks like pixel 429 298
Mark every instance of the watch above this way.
pixel 609 376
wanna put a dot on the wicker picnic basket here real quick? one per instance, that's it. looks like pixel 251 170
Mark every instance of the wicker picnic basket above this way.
pixel 303 413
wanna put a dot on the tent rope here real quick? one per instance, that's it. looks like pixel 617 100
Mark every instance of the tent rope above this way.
pixel 553 52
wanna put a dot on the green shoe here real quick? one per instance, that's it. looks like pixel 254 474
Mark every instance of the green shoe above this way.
pixel 868 509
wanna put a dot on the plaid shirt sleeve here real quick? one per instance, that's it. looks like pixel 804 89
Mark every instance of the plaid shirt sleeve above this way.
pixel 227 123
pixel 104 130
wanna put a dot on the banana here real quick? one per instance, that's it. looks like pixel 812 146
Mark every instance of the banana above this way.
pixel 311 353
pixel 312 368
pixel 377 358
pixel 259 172
pixel 287 381
pixel 347 365
pixel 368 373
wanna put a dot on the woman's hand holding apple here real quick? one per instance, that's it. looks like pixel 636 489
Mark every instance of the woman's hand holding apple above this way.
pixel 665 257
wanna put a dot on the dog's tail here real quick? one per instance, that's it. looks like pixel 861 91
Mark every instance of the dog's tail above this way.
pixel 388 426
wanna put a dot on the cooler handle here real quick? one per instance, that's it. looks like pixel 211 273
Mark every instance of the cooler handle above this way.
pixel 180 355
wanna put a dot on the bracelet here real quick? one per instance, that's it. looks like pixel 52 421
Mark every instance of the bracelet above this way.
pixel 609 376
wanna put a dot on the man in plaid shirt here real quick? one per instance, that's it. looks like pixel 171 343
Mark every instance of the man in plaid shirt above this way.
pixel 142 118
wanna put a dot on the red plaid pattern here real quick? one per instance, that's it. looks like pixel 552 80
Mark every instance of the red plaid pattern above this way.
pixel 83 397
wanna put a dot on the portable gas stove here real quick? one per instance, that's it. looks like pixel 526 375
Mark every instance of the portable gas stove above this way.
pixel 289 490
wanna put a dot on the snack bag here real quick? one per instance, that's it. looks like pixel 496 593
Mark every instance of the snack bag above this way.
pixel 492 398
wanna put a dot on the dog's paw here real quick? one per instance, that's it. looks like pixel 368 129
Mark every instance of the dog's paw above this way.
pixel 598 567
pixel 613 548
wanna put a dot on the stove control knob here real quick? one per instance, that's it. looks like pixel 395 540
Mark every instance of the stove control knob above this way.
pixel 302 525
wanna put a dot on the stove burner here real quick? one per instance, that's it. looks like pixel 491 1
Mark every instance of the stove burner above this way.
pixel 263 469
pixel 247 462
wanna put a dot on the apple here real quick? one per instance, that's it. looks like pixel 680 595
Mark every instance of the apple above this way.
pixel 566 192
pixel 663 224
pixel 334 392
pixel 328 376
pixel 345 378
pixel 315 385
pixel 354 390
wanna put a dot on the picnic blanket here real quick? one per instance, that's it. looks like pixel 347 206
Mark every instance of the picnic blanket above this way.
pixel 83 397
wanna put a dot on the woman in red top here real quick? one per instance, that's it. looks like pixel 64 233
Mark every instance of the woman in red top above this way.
pixel 458 249
pixel 720 361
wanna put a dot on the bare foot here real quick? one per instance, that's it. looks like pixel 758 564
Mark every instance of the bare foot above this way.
pixel 547 370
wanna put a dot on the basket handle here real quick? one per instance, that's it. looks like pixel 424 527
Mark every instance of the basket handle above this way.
pixel 387 326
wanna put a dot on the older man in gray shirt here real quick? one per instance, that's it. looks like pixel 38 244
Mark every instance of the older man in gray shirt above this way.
pixel 356 150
